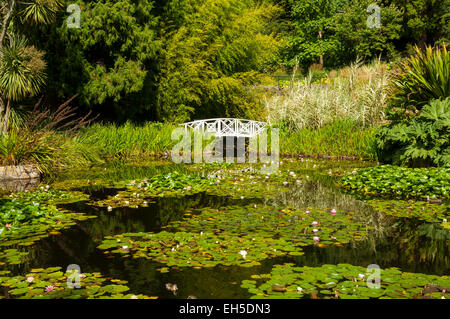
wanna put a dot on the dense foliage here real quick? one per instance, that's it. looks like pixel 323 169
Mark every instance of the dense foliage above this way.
pixel 423 77
pixel 344 281
pixel 422 141
pixel 394 181
pixel 182 59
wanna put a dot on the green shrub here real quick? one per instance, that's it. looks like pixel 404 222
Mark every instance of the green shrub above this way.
pixel 23 147
pixel 394 181
pixel 422 141
pixel 422 78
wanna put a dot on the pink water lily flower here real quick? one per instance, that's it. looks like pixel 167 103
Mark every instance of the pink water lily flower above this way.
pixel 316 239
pixel 8 226
pixel 333 212
pixel 49 288
pixel 306 211
pixel 188 188
pixel 30 279
pixel 315 223
pixel 315 230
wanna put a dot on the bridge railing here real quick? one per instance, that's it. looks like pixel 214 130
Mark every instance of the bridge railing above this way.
pixel 227 127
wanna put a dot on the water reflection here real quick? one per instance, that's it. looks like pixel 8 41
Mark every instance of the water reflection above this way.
pixel 410 244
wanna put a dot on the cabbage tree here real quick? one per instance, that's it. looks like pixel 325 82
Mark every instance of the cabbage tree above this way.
pixel 21 66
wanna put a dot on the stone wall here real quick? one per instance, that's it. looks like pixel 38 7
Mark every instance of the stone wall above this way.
pixel 21 172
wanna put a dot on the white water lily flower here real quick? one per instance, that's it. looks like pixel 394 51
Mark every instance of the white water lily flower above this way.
pixel 444 220
pixel 361 276
pixel 127 202
pixel 124 247
pixel 109 208
pixel 299 288
pixel 243 253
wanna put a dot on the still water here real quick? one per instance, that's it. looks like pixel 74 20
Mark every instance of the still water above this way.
pixel 410 244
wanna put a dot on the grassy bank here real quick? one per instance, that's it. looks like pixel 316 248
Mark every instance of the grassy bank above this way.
pixel 341 138
pixel 130 140
pixel 99 142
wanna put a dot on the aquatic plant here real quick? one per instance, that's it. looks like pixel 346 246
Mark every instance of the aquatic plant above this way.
pixel 292 225
pixel 430 212
pixel 52 283
pixel 45 195
pixel 23 222
pixel 204 249
pixel 12 256
pixel 345 281
pixel 387 180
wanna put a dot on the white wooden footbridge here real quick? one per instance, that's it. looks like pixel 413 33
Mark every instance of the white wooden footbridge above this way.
pixel 222 127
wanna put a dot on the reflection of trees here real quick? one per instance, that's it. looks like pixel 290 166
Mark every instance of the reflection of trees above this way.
pixel 314 195
pixel 408 245
pixel 78 244
pixel 118 171
pixel 216 282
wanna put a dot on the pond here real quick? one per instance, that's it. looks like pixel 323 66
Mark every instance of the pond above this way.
pixel 252 211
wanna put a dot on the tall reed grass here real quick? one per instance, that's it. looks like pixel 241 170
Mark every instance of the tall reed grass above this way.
pixel 359 93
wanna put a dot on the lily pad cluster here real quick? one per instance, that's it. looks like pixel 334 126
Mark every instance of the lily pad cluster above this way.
pixel 400 182
pixel 22 222
pixel 12 256
pixel 52 283
pixel 433 213
pixel 236 184
pixel 51 196
pixel 345 281
pixel 299 227
pixel 204 249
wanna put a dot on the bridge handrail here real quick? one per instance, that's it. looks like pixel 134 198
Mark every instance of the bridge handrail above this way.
pixel 227 126
pixel 223 118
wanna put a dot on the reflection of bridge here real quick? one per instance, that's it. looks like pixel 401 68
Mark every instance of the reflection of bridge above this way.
pixel 227 127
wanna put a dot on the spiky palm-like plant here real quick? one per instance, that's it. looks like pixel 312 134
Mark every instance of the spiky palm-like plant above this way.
pixel 21 73
pixel 422 78
pixel 21 66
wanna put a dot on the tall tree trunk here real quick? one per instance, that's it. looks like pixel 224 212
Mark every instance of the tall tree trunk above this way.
pixel 321 53
pixel 2 109
pixel 7 20
pixel 6 117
